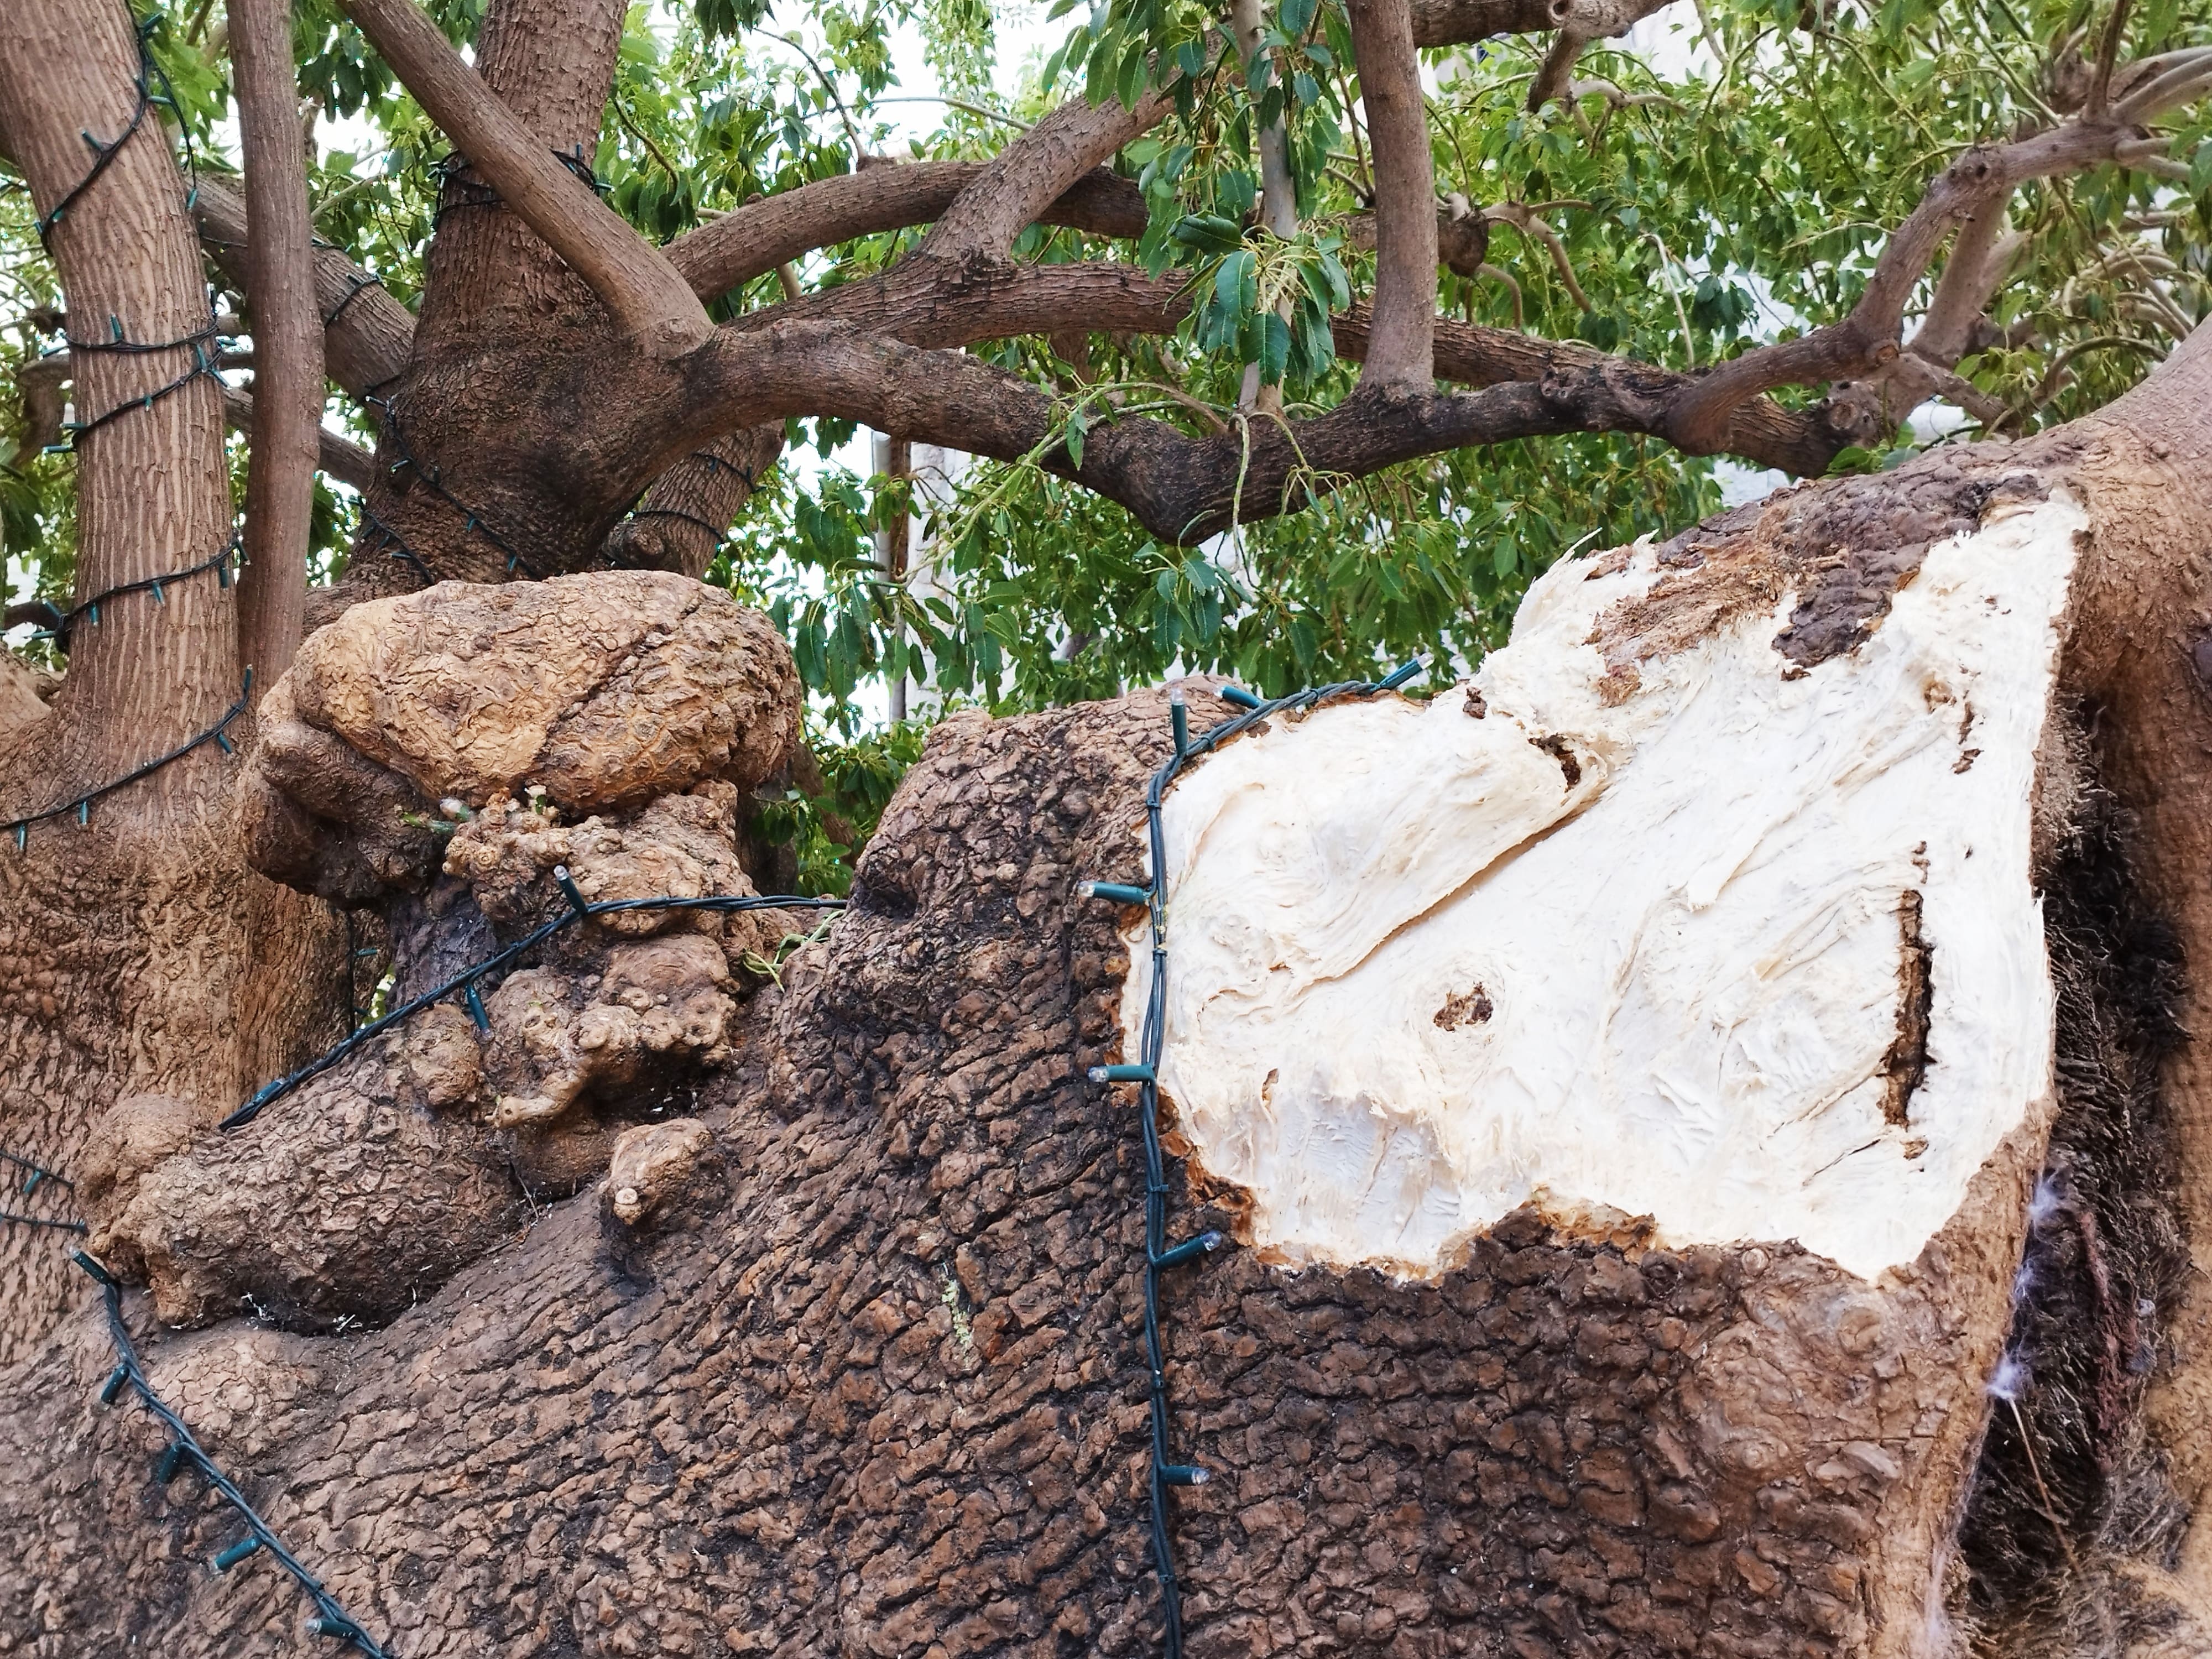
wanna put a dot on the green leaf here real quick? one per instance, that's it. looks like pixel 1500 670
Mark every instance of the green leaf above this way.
pixel 1273 355
pixel 1209 233
pixel 1129 86
pixel 1233 283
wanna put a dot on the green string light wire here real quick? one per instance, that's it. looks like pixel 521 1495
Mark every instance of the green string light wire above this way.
pixel 464 983
pixel 1159 1255
pixel 35 1176
pixel 472 520
pixel 329 1618
pixel 63 621
pixel 204 365
pixel 81 808
pixel 104 154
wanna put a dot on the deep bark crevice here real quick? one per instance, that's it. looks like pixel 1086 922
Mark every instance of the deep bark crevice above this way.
pixel 2071 1486
pixel 1907 1062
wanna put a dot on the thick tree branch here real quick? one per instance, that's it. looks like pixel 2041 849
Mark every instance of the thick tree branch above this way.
pixel 1177 485
pixel 936 304
pixel 343 460
pixel 689 508
pixel 366 334
pixel 993 300
pixel 1606 393
pixel 1454 22
pixel 756 239
pixel 1979 255
pixel 1867 338
pixel 649 300
pixel 287 339
pixel 1401 351
pixel 1401 344
pixel 1018 185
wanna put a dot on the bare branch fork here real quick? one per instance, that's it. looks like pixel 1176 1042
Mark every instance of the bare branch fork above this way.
pixel 649 300
pixel 959 288
pixel 1977 184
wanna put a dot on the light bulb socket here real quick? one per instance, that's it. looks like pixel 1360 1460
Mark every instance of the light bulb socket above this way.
pixel 1237 696
pixel 1189 1250
pixel 1183 1474
pixel 1120 1074
pixel 1113 892
pixel 571 892
pixel 236 1553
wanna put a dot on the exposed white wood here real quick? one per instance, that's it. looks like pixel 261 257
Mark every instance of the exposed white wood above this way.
pixel 1691 956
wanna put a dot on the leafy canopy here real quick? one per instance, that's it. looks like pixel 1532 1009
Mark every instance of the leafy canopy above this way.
pixel 1729 180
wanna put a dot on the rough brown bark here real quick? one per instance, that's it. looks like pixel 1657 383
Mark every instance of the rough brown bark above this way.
pixel 2146 463
pixel 367 333
pixel 553 67
pixel 1401 349
pixel 153 496
pixel 147 907
pixel 854 1368
pixel 647 300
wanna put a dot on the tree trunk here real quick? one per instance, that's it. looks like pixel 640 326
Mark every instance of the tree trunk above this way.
pixel 288 338
pixel 855 1366
pixel 142 956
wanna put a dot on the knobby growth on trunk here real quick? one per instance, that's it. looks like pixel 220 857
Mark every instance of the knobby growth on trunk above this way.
pixel 1587 1261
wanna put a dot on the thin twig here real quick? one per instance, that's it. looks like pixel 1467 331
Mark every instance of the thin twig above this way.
pixel 1667 263
pixel 2108 52
pixel 830 86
